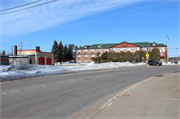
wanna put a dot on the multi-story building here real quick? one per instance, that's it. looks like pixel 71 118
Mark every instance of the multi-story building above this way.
pixel 84 54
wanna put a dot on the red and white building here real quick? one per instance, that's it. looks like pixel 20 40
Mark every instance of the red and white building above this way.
pixel 33 56
pixel 84 54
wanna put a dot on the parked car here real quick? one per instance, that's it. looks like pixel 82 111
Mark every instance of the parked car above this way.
pixel 154 62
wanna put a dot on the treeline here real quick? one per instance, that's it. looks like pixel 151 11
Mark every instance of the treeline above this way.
pixel 138 56
pixel 62 53
pixel 3 52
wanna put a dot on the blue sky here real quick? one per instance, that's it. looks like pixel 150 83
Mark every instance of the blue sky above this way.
pixel 85 22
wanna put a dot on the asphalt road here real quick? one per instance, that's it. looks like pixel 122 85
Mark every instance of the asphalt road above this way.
pixel 61 96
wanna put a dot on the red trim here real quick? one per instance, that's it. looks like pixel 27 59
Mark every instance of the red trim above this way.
pixel 126 43
pixel 27 50
pixel 45 52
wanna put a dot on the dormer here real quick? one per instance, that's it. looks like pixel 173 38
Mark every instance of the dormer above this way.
pixel 153 44
pixel 99 46
pixel 85 46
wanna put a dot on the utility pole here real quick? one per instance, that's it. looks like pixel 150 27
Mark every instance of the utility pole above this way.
pixel 21 47
pixel 11 51
pixel 167 48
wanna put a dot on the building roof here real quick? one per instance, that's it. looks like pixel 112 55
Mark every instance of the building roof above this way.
pixel 141 44
pixel 19 56
pixel 147 44
pixel 96 46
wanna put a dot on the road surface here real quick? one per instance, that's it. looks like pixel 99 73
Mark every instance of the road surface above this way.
pixel 61 96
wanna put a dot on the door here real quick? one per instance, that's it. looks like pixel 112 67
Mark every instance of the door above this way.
pixel 30 61
pixel 48 61
pixel 41 60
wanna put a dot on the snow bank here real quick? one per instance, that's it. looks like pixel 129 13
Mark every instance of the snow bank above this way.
pixel 169 63
pixel 33 70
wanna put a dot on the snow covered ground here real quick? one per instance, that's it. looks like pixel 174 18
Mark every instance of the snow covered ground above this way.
pixel 33 70
pixel 169 63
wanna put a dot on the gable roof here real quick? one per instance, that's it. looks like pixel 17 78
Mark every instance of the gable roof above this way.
pixel 125 44
pixel 141 44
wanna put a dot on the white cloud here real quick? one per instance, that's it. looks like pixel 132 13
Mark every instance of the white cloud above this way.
pixel 61 11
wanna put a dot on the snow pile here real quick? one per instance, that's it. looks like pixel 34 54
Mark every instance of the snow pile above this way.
pixel 33 70
pixel 169 63
pixel 3 67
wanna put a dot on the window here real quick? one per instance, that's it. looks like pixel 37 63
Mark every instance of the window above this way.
pixel 136 48
pixel 85 61
pixel 113 49
pixel 120 49
pixel 79 50
pixel 105 49
pixel 124 49
pixel 99 50
pixel 162 49
pixel 92 55
pixel 79 55
pixel 85 50
pixel 79 60
pixel 128 49
pixel 85 55
pixel 92 61
pixel 92 50
pixel 145 48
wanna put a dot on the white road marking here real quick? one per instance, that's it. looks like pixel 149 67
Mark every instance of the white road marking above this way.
pixel 13 91
pixel 3 93
pixel 171 99
pixel 41 86
pixel 109 104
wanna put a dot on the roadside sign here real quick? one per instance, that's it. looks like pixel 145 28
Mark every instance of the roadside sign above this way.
pixel 147 56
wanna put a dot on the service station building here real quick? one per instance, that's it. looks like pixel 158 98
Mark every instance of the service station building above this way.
pixel 33 56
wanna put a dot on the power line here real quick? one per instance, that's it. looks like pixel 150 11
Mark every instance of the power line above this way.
pixel 29 7
pixel 21 5
pixel 63 26
pixel 29 29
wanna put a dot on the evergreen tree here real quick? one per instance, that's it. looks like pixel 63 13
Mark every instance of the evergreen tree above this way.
pixel 104 57
pixel 60 49
pixel 140 56
pixel 70 52
pixel 121 57
pixel 155 54
pixel 55 51
pixel 74 57
pixel 128 56
pixel 64 54
pixel 3 53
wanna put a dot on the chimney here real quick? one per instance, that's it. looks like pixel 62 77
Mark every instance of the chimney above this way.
pixel 15 50
pixel 37 49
